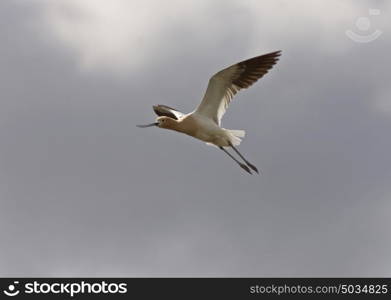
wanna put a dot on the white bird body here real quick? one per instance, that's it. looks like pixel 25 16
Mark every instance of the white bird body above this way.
pixel 205 129
pixel 204 122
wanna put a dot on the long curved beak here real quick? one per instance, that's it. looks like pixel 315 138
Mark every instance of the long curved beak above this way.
pixel 148 125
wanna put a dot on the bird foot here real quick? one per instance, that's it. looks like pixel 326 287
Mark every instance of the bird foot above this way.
pixel 253 167
pixel 245 168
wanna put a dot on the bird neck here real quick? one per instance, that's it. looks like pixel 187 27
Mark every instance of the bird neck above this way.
pixel 173 125
pixel 185 125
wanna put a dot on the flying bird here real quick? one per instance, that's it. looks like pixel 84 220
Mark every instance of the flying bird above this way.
pixel 204 123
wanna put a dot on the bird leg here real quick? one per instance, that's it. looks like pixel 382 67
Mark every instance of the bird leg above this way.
pixel 245 160
pixel 238 162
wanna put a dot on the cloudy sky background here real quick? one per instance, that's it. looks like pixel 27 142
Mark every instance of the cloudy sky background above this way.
pixel 83 192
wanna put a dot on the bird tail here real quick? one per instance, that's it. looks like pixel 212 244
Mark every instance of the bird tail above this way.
pixel 235 136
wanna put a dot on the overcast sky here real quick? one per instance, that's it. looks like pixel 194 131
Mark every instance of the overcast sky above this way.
pixel 83 192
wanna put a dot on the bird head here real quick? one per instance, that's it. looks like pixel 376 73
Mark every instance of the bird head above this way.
pixel 162 122
pixel 166 122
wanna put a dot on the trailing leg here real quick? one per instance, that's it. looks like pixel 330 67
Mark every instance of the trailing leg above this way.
pixel 243 166
pixel 245 160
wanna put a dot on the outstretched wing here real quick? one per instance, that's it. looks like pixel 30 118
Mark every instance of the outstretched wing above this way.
pixel 164 110
pixel 225 84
